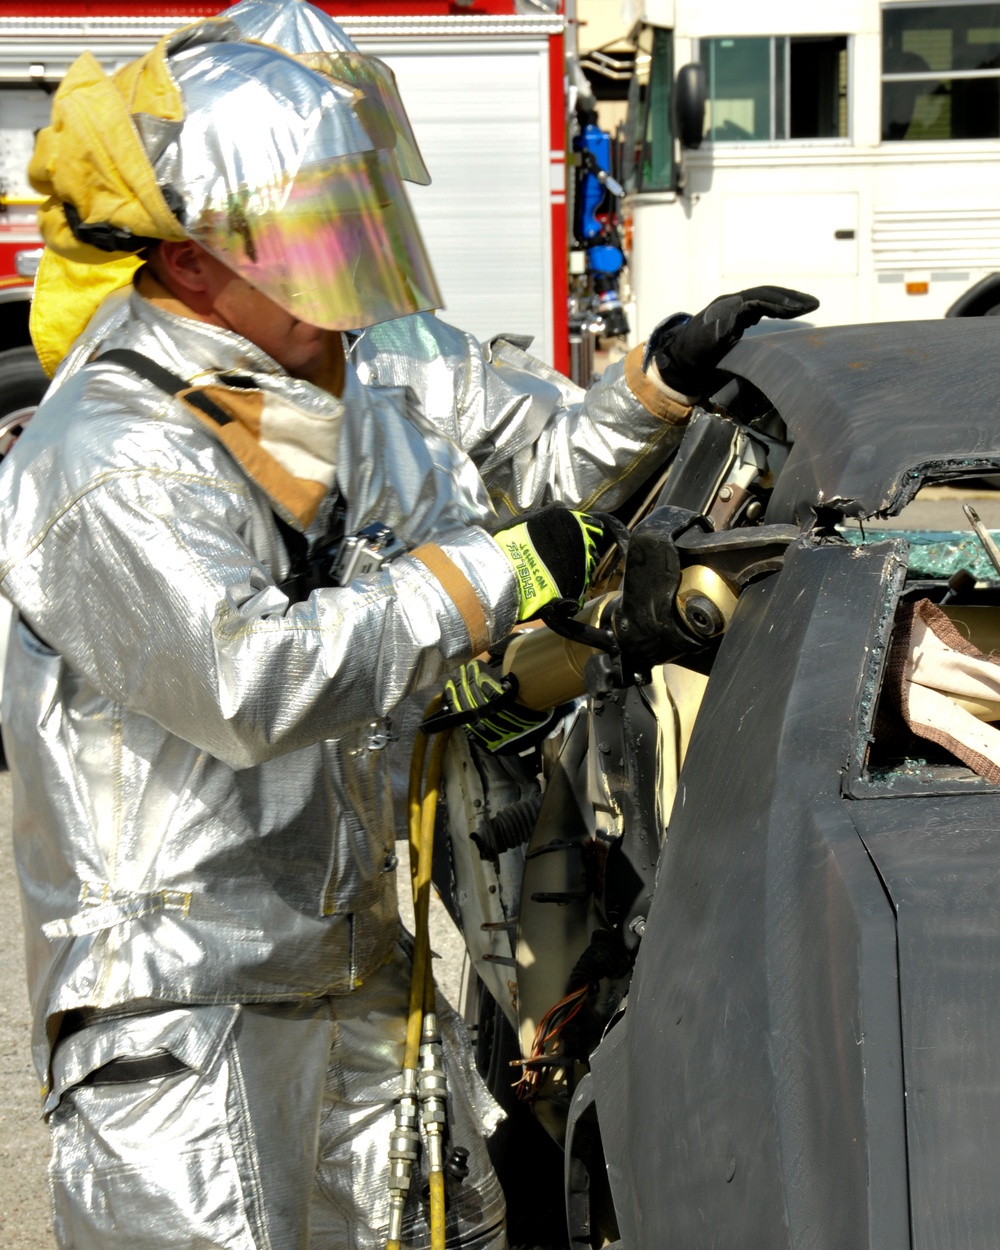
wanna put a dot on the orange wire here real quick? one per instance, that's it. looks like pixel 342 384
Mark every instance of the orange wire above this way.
pixel 548 1029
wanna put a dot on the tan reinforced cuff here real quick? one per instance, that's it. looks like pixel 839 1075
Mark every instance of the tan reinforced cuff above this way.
pixel 459 589
pixel 654 395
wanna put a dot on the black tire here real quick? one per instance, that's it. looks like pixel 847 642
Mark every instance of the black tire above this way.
pixel 22 385
pixel 528 1162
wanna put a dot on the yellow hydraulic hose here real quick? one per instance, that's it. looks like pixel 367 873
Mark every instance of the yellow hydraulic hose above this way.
pixel 413 797
pixel 422 803
pixel 423 980
pixel 437 1210
pixel 423 814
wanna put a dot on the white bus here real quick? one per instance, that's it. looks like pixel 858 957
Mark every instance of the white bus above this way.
pixel 850 148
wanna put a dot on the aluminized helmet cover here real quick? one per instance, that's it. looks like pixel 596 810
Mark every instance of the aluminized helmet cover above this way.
pixel 292 25
pixel 315 39
pixel 288 177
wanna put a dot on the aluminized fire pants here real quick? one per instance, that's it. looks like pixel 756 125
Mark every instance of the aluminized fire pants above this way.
pixel 256 1127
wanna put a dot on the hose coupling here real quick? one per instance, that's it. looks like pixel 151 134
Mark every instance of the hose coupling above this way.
pixel 404 1145
pixel 432 1092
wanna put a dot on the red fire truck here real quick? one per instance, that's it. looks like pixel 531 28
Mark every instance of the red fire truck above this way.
pixel 483 82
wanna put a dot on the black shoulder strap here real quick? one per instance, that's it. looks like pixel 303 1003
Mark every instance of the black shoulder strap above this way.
pixel 163 379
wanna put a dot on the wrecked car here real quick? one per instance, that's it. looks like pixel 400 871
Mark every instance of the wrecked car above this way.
pixel 735 926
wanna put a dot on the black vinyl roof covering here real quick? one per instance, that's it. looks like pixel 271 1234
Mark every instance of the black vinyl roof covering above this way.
pixel 875 411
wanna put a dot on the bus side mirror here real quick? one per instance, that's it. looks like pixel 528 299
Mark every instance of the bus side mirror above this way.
pixel 689 105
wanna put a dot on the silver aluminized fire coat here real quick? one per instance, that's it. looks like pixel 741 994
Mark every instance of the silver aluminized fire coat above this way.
pixel 201 786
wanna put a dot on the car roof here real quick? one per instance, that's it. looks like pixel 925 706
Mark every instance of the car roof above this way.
pixel 875 411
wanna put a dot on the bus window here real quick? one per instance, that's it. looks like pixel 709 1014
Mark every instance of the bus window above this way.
pixel 817 88
pixel 649 136
pixel 941 71
pixel 776 87
pixel 738 74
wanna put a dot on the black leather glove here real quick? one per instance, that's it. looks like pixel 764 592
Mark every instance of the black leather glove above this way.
pixel 687 350
pixel 553 553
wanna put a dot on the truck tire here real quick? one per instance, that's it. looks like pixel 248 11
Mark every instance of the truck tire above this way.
pixel 981 300
pixel 22 385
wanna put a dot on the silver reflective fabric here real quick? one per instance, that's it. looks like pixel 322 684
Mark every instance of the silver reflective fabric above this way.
pixel 204 1155
pixel 532 435
pixel 209 758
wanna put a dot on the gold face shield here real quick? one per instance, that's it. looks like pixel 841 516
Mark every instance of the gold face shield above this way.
pixel 335 245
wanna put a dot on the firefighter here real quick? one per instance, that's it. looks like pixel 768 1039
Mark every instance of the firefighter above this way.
pixel 252 402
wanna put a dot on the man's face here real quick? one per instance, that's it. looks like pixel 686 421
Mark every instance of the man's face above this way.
pixel 220 297
pixel 297 346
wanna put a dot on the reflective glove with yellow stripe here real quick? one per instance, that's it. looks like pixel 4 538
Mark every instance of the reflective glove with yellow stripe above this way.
pixel 486 705
pixel 553 553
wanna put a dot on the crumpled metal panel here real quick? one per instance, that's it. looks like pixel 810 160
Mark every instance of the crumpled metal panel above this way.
pixel 874 411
